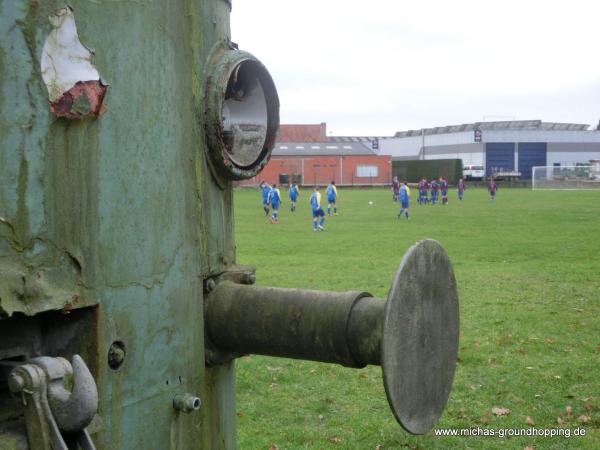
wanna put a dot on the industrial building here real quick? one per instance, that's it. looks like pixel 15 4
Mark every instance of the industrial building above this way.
pixel 306 154
pixel 506 146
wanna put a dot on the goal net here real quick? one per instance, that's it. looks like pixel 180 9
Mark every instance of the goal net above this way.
pixel 565 177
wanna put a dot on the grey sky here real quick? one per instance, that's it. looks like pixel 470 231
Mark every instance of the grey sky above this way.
pixel 380 66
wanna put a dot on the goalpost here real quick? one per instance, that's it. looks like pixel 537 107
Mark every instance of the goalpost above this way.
pixel 565 177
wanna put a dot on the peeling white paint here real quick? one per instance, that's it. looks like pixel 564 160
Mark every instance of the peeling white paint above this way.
pixel 65 60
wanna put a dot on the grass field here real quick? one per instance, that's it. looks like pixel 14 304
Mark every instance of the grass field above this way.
pixel 528 274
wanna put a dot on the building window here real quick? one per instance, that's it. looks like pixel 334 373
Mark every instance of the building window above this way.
pixel 367 171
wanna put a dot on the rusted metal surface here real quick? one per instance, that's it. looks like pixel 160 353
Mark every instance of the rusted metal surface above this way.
pixel 120 212
pixel 83 100
pixel 73 82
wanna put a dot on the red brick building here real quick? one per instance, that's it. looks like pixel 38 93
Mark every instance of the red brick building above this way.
pixel 304 153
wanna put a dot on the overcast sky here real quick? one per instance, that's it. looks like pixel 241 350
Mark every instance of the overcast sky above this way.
pixel 375 67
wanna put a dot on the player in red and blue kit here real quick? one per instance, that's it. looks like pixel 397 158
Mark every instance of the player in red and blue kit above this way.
pixel 274 200
pixel 434 191
pixel 423 185
pixel 264 190
pixel 444 189
pixel 492 188
pixel 460 189
pixel 395 189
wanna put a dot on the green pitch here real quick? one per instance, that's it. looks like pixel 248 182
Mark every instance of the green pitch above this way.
pixel 528 273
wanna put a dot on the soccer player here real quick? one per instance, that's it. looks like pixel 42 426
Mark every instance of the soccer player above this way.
pixel 395 189
pixel 331 198
pixel 434 191
pixel 294 193
pixel 422 191
pixel 492 188
pixel 444 189
pixel 460 189
pixel 274 200
pixel 404 200
pixel 317 211
pixel 265 189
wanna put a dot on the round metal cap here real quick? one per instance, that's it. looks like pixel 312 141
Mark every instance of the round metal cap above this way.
pixel 420 337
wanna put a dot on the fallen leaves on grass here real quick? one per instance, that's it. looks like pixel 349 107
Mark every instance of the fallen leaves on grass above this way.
pixel 569 410
pixel 584 419
pixel 497 411
pixel 273 447
pixel 589 406
pixel 335 440
pixel 529 447
pixel 529 421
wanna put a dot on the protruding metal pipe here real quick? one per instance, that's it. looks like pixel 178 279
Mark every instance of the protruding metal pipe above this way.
pixel 295 323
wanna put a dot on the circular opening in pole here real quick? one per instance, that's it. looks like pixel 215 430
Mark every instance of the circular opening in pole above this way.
pixel 242 114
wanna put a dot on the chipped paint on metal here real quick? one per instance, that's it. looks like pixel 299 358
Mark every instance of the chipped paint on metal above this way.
pixel 74 87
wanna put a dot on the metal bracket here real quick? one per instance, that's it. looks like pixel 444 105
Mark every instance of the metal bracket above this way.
pixel 51 409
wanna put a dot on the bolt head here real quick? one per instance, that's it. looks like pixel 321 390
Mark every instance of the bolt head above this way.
pixel 16 383
pixel 210 285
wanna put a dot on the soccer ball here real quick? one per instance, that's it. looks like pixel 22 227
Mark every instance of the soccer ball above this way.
pixel 370 202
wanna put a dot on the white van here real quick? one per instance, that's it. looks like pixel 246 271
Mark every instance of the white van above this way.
pixel 473 172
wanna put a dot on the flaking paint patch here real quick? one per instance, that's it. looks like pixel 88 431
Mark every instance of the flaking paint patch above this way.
pixel 74 87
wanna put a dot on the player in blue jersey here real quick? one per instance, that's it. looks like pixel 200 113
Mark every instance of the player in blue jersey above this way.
pixel 264 190
pixel 332 195
pixel 404 200
pixel 395 189
pixel 274 200
pixel 444 189
pixel 317 211
pixel 294 193
pixel 492 188
pixel 460 189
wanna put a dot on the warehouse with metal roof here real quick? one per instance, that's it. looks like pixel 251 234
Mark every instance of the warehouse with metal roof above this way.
pixel 503 146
